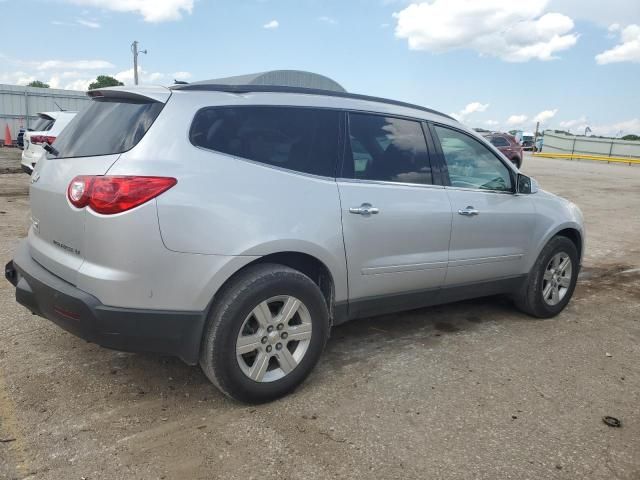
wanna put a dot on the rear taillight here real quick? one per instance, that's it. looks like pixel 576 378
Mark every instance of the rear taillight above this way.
pixel 40 139
pixel 115 194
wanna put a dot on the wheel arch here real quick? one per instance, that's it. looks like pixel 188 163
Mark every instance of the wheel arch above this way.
pixel 570 230
pixel 574 235
pixel 327 272
pixel 311 266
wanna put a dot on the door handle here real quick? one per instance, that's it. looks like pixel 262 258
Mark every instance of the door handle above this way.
pixel 468 212
pixel 366 210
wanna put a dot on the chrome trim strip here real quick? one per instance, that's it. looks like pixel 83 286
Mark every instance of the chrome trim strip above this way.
pixel 477 261
pixel 412 267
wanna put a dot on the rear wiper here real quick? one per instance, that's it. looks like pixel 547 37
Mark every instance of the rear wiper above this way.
pixel 51 149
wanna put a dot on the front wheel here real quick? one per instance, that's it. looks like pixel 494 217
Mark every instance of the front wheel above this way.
pixel 265 333
pixel 552 280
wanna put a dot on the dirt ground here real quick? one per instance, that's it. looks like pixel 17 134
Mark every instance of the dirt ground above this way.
pixel 473 390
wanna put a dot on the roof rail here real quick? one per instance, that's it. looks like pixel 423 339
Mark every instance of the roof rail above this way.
pixel 204 87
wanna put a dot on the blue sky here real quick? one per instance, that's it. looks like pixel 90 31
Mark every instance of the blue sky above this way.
pixel 495 63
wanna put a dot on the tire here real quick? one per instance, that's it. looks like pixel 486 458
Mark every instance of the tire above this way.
pixel 531 298
pixel 241 305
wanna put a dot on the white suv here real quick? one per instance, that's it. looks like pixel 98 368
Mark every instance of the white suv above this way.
pixel 233 226
pixel 46 128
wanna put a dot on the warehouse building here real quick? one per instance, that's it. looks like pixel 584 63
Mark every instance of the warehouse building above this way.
pixel 19 106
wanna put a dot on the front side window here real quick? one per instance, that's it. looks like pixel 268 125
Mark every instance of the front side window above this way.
pixel 301 139
pixel 386 149
pixel 471 164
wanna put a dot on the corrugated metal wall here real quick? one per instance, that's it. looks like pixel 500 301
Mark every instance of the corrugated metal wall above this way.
pixel 560 143
pixel 20 105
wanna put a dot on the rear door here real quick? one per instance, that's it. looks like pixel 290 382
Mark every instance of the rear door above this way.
pixel 396 222
pixel 113 123
pixel 492 225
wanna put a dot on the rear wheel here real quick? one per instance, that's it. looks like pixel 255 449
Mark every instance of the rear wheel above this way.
pixel 552 280
pixel 265 333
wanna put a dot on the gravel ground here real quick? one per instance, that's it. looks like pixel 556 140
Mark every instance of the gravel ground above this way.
pixel 473 390
pixel 10 160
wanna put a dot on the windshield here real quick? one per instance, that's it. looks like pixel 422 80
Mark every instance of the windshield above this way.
pixel 107 126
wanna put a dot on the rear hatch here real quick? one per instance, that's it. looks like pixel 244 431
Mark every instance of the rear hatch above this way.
pixel 39 127
pixel 113 123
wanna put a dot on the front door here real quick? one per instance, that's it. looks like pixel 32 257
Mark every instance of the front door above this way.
pixel 492 225
pixel 396 223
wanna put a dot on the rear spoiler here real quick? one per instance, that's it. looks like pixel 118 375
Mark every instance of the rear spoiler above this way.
pixel 156 94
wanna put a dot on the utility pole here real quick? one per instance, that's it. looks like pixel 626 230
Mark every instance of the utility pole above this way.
pixel 136 52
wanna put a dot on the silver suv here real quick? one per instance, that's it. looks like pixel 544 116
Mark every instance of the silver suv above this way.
pixel 233 226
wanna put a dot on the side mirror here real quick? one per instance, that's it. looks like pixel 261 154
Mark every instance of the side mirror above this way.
pixel 526 185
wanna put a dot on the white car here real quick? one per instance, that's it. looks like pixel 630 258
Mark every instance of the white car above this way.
pixel 45 130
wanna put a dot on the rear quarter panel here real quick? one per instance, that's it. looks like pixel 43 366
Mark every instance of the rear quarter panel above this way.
pixel 226 206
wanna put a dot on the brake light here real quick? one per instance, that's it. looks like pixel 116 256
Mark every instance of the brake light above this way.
pixel 115 194
pixel 40 139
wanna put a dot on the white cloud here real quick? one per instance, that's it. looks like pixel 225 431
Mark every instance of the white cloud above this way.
pixel 545 116
pixel 600 12
pixel 151 10
pixel 76 64
pixel 16 78
pixel 512 31
pixel 77 74
pixel 328 20
pixel 88 23
pixel 273 24
pixel 80 84
pixel 182 75
pixel 575 123
pixel 628 50
pixel 621 128
pixel 472 107
pixel 516 120
pixel 126 77
pixel 491 123
pixel 79 21
pixel 625 127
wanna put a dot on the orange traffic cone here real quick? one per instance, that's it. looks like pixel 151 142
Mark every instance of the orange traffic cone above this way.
pixel 7 136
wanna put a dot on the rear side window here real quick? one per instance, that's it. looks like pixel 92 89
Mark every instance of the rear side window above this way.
pixel 386 149
pixel 301 139
pixel 107 126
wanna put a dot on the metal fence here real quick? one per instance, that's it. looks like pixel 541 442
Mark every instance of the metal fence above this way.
pixel 19 106
pixel 600 147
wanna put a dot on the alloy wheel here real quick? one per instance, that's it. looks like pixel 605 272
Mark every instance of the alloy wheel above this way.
pixel 557 279
pixel 274 338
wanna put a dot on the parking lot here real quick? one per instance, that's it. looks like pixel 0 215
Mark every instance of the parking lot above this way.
pixel 468 390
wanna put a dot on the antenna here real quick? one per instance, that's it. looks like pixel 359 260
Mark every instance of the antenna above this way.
pixel 59 107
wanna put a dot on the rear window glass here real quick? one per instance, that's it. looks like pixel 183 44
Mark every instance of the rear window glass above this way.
pixel 40 124
pixel 107 126
pixel 499 141
pixel 300 139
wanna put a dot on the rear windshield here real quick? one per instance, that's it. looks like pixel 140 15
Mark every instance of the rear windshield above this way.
pixel 107 126
pixel 40 124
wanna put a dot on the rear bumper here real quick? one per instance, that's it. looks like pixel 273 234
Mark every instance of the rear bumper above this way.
pixel 175 333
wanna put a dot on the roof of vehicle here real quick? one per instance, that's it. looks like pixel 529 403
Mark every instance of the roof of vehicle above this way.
pixel 54 115
pixel 239 89
pixel 283 78
pixel 289 81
